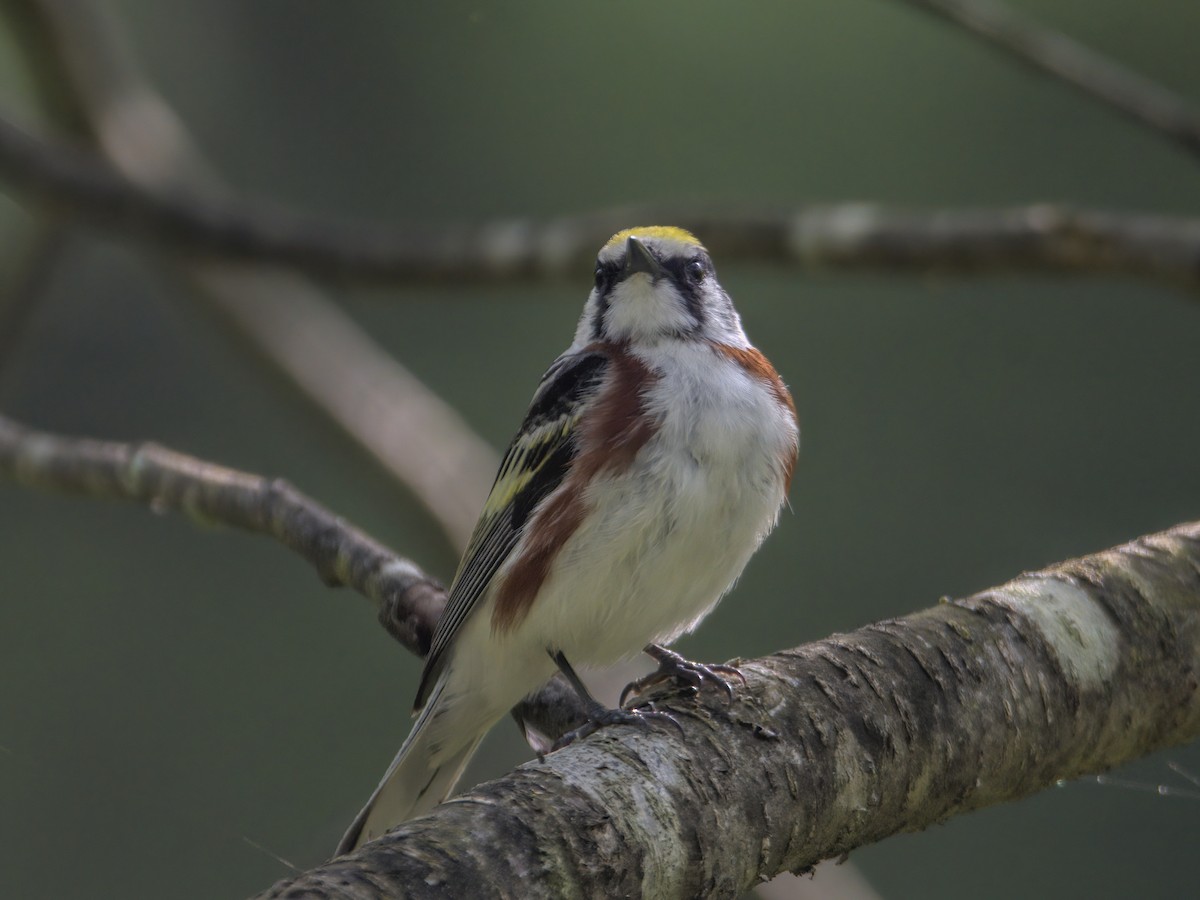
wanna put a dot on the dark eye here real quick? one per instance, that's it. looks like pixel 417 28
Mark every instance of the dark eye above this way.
pixel 695 270
pixel 601 277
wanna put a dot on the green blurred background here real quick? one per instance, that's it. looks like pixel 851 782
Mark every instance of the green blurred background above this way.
pixel 168 694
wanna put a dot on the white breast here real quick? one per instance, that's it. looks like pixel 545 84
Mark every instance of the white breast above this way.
pixel 664 540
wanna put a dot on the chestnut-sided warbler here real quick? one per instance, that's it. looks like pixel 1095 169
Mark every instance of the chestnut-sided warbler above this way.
pixel 652 462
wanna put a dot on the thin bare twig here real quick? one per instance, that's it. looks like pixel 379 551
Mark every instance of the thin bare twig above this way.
pixel 1040 238
pixel 168 481
pixel 30 40
pixel 407 428
pixel 1042 48
pixel 409 602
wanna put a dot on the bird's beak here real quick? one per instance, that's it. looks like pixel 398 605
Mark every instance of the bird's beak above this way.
pixel 638 258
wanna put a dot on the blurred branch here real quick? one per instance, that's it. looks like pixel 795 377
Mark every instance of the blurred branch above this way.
pixel 1039 238
pixel 409 601
pixel 1064 58
pixel 830 746
pixel 165 480
pixel 35 46
pixel 407 428
pixel 413 434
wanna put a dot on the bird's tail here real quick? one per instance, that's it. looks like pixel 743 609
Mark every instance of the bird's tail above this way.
pixel 421 776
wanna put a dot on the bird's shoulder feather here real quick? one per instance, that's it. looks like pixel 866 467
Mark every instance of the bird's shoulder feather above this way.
pixel 536 462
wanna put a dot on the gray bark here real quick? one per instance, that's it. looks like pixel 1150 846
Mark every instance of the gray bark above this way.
pixel 830 746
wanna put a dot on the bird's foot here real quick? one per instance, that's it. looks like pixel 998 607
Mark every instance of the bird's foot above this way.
pixel 692 674
pixel 600 716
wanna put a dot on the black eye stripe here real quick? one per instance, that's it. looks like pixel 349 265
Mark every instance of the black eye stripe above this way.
pixel 679 266
pixel 688 286
pixel 601 315
pixel 605 275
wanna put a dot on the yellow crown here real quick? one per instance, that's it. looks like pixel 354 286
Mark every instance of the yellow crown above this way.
pixel 666 232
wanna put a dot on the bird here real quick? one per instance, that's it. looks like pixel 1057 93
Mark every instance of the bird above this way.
pixel 654 458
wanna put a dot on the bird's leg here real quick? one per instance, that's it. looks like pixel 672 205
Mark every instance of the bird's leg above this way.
pixel 672 665
pixel 599 715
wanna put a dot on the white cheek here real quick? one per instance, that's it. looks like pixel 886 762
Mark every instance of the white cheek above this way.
pixel 638 308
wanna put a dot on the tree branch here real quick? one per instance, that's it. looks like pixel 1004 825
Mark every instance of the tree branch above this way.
pixel 1041 238
pixel 1038 239
pixel 413 434
pixel 167 481
pixel 830 746
pixel 410 431
pixel 1049 51
pixel 32 43
pixel 409 602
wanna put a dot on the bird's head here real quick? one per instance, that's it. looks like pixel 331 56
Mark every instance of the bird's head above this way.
pixel 654 283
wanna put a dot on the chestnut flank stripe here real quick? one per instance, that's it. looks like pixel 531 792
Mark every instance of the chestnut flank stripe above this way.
pixel 757 366
pixel 610 434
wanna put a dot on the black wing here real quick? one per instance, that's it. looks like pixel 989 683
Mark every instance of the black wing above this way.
pixel 537 460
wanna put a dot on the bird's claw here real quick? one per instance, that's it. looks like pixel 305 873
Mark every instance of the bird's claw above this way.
pixel 692 674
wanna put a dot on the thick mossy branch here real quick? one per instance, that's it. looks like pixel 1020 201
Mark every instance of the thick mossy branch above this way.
pixel 831 746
